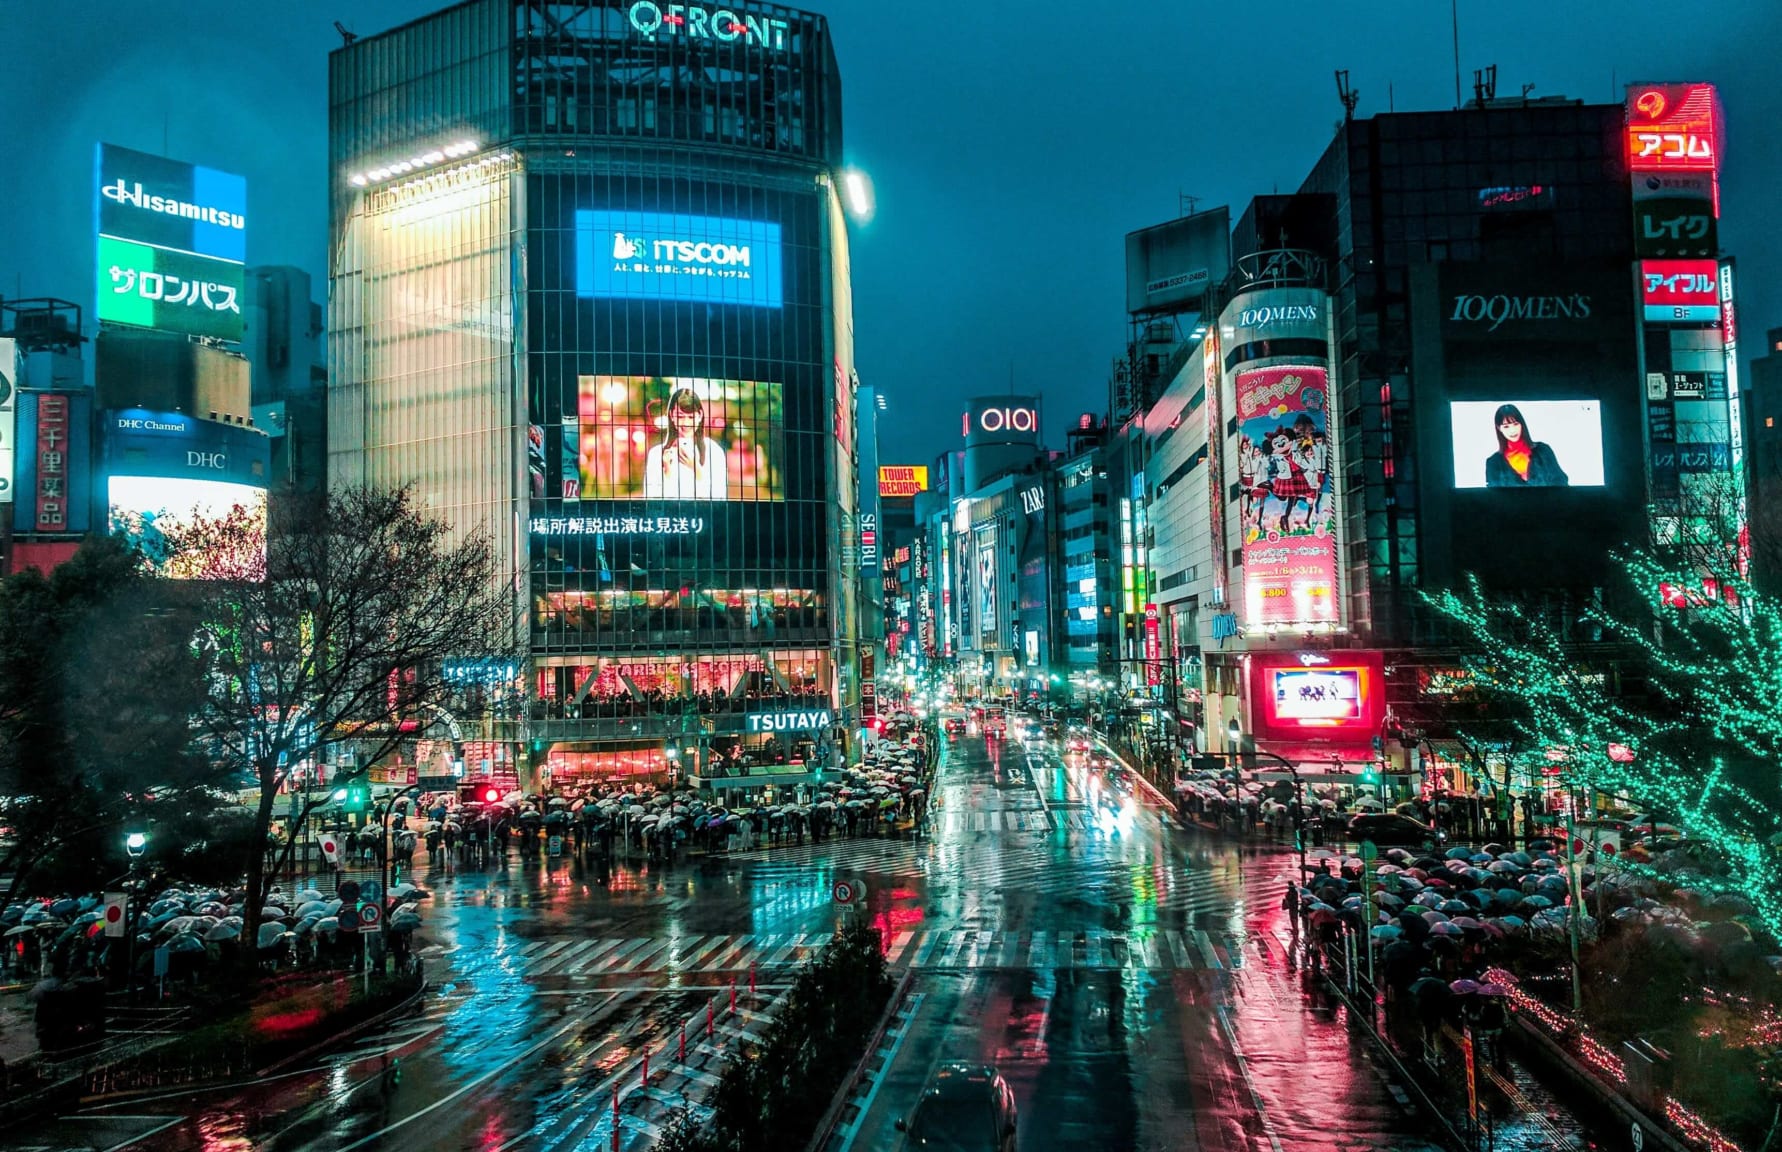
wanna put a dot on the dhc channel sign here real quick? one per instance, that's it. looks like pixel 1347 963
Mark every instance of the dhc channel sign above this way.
pixel 657 256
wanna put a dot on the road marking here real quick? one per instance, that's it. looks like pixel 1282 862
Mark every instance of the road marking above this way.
pixel 1206 948
pixel 898 943
pixel 546 966
pixel 1178 950
pixel 472 1085
pixel 730 953
pixel 1039 954
pixel 922 953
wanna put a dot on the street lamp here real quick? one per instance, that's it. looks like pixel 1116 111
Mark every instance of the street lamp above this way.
pixel 135 844
pixel 859 193
pixel 1236 732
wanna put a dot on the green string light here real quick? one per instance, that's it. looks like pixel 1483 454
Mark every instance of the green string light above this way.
pixel 1714 664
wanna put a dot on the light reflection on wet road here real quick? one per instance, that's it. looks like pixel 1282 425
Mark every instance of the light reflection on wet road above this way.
pixel 1129 979
pixel 1165 1013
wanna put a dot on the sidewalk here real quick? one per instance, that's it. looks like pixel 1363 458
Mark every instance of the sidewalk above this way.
pixel 18 1032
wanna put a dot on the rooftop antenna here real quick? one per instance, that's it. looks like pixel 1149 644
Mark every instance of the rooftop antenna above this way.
pixel 1349 96
pixel 346 37
pixel 1526 89
pixel 1485 85
pixel 1186 204
pixel 1454 14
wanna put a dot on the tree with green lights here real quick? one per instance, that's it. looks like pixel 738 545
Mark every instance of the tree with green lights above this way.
pixel 1675 700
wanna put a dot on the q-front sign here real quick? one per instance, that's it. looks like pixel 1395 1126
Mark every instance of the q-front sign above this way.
pixel 809 720
pixel 655 21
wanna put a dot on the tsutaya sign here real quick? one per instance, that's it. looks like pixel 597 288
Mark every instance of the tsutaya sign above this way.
pixel 807 721
pixel 694 22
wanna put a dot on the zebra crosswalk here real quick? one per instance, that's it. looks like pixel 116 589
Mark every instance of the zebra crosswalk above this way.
pixel 1093 948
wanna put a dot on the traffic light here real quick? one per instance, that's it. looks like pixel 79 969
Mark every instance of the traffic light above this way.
pixel 358 796
pixel 491 794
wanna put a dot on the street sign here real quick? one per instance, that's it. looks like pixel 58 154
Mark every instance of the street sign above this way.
pixel 1472 1083
pixel 369 915
pixel 846 891
pixel 1637 1136
pixel 349 920
pixel 161 954
pixel 1369 851
pixel 370 891
pixel 348 891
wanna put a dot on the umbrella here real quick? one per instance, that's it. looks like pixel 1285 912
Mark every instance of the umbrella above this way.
pixel 1434 917
pixel 328 924
pixel 185 942
pixel 1454 907
pixel 1387 932
pixel 1464 987
pixel 1536 902
pixel 1444 929
pixel 271 934
pixel 223 930
pixel 1459 854
pixel 405 921
pixel 21 930
pixel 1465 922
pixel 1493 990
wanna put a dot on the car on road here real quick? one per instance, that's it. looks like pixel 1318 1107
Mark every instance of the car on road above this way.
pixel 967 1108
pixel 1077 743
pixel 1390 828
pixel 995 722
pixel 954 725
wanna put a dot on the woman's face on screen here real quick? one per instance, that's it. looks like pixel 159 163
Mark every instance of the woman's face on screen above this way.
pixel 1510 427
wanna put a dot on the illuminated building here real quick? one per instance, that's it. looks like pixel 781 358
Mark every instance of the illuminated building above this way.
pixel 1323 443
pixel 590 295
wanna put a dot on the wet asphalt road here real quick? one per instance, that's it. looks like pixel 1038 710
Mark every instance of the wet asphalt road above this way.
pixel 1133 982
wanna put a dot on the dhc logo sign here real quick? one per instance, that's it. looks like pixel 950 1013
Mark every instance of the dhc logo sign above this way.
pixel 808 721
pixel 217 460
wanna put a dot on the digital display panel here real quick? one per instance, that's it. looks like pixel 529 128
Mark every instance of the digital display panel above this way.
pixel 986 584
pixel 172 244
pixel 1316 695
pixel 1527 443
pixel 148 510
pixel 676 438
pixel 1287 501
pixel 662 256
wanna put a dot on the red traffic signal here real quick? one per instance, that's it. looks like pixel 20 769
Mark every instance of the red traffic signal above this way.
pixel 491 794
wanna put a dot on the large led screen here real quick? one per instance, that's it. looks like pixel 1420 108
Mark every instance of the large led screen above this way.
pixel 986 583
pixel 152 512
pixel 659 256
pixel 1287 497
pixel 1527 443
pixel 677 438
pixel 1316 695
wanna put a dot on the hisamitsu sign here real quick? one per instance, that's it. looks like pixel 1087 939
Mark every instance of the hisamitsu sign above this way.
pixel 805 721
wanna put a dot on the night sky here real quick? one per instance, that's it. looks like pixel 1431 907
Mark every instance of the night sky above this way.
pixel 1011 146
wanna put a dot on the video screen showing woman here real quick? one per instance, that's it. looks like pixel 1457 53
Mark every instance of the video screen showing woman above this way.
pixel 687 464
pixel 1521 461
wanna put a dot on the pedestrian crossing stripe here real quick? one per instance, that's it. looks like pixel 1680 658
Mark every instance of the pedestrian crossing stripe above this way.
pixel 941 949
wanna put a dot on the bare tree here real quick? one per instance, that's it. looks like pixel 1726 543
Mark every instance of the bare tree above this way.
pixel 340 634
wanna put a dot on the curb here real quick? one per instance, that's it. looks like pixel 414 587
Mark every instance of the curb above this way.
pixel 1405 1079
pixel 845 1092
pixel 1555 1054
pixel 400 1008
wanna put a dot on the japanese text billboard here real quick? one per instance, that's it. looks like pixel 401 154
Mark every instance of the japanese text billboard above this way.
pixel 1287 498
pixel 676 438
pixel 1673 127
pixel 1680 291
pixel 172 244
pixel 54 466
pixel 661 256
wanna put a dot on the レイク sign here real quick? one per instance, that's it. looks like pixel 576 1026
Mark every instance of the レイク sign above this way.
pixel 805 721
pixel 693 22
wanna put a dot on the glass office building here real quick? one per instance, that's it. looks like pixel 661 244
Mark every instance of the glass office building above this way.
pixel 591 296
